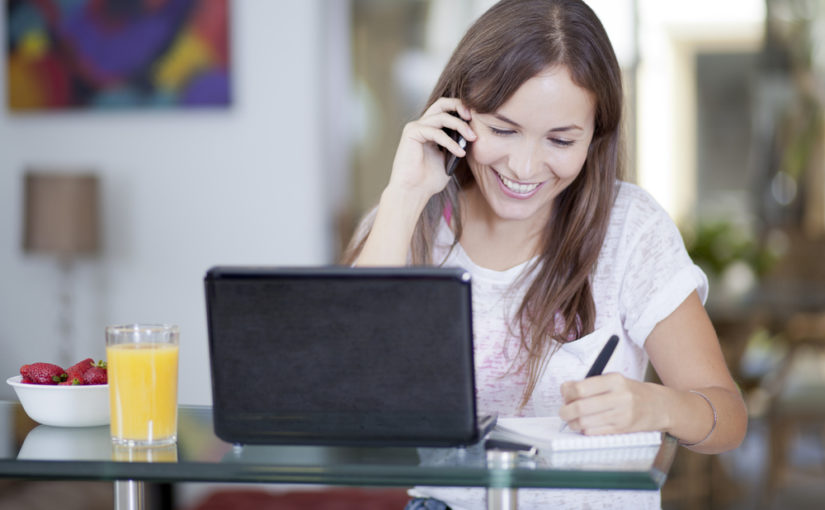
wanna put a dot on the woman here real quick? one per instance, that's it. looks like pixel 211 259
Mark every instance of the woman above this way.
pixel 562 253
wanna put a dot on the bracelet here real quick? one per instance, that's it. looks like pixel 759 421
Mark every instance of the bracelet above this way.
pixel 712 428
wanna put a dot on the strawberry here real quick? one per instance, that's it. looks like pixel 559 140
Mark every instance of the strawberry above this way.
pixel 96 374
pixel 76 371
pixel 71 382
pixel 43 373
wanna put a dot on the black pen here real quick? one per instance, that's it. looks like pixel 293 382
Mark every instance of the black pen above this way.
pixel 603 357
pixel 601 361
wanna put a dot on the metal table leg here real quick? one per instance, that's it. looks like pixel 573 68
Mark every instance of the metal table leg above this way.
pixel 502 499
pixel 500 494
pixel 130 495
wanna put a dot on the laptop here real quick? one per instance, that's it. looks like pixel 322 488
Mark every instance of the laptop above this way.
pixel 342 356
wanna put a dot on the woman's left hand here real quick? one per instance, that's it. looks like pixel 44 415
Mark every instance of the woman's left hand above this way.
pixel 612 404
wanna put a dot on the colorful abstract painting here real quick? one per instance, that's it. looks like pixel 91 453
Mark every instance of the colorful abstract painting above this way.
pixel 64 54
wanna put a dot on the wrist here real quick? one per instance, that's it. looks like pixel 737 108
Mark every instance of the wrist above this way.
pixel 404 204
pixel 713 425
pixel 404 199
pixel 665 401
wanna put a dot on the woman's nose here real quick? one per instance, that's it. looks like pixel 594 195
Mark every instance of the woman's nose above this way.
pixel 525 160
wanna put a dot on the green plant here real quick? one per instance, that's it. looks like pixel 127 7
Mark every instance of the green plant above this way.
pixel 715 245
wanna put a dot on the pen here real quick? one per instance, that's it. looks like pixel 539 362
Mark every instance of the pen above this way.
pixel 601 361
pixel 603 357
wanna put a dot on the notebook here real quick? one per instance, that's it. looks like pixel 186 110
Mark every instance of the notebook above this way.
pixel 342 356
pixel 546 433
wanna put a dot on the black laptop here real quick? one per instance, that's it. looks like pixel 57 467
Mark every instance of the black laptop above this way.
pixel 342 356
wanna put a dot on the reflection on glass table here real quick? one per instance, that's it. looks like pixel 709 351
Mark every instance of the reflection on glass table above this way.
pixel 42 452
pixel 45 442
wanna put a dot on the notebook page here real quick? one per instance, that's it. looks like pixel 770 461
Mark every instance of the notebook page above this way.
pixel 637 458
pixel 545 433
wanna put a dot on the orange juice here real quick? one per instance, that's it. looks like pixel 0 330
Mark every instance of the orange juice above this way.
pixel 143 390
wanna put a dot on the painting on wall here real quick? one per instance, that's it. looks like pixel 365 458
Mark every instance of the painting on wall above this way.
pixel 97 54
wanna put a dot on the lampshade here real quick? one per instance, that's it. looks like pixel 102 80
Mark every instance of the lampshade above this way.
pixel 61 213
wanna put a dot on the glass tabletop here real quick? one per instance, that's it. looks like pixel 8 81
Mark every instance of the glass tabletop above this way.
pixel 29 450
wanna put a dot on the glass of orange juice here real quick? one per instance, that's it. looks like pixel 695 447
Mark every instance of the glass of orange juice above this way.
pixel 142 362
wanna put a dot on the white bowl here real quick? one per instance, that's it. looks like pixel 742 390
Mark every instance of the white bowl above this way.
pixel 67 443
pixel 63 406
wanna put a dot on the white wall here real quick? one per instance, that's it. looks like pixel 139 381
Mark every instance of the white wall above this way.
pixel 181 191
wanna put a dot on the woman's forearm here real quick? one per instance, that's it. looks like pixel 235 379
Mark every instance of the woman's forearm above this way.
pixel 706 420
pixel 388 242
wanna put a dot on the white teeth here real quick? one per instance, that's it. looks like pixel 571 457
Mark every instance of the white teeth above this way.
pixel 516 187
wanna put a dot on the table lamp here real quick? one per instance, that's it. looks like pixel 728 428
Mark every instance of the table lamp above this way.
pixel 61 219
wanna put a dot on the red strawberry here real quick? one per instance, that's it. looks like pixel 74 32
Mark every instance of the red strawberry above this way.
pixel 43 373
pixel 71 382
pixel 96 374
pixel 76 371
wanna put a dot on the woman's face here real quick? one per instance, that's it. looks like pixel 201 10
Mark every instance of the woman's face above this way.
pixel 533 147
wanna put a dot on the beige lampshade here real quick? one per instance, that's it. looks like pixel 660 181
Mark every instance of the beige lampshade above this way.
pixel 61 213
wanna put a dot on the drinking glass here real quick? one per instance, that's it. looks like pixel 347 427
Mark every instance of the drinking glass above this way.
pixel 143 383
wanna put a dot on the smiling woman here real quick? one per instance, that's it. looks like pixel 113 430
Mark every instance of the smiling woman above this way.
pixel 563 253
pixel 521 161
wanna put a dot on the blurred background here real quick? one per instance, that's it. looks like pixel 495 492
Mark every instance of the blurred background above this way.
pixel 251 132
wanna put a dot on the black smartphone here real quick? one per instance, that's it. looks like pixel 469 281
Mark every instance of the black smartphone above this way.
pixel 511 446
pixel 452 159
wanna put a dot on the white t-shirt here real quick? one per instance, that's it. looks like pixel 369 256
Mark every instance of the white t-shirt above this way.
pixel 643 274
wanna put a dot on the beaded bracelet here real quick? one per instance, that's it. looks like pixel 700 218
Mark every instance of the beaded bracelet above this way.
pixel 712 428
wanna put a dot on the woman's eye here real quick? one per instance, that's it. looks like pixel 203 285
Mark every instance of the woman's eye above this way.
pixel 562 143
pixel 501 132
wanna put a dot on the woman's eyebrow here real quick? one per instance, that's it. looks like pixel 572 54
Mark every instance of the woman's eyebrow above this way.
pixel 570 127
pixel 505 119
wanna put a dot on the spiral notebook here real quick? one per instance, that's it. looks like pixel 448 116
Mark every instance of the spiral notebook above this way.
pixel 545 433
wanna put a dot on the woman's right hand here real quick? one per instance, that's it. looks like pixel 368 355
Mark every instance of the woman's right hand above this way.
pixel 418 173
pixel 418 166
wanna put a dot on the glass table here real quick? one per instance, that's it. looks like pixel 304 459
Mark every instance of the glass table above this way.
pixel 36 451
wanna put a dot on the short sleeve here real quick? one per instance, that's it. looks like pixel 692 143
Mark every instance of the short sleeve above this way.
pixel 659 274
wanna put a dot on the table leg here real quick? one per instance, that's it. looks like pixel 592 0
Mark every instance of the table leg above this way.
pixel 500 494
pixel 502 499
pixel 130 495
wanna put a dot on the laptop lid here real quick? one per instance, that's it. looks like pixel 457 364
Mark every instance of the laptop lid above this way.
pixel 340 355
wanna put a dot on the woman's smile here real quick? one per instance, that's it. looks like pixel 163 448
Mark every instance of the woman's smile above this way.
pixel 515 189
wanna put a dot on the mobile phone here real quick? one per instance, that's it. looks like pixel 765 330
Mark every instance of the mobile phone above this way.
pixel 511 446
pixel 452 160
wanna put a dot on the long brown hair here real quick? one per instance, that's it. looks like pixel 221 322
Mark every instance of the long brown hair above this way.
pixel 509 44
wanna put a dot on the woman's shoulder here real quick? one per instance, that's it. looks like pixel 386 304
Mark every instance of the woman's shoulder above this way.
pixel 637 221
pixel 636 206
pixel 633 196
